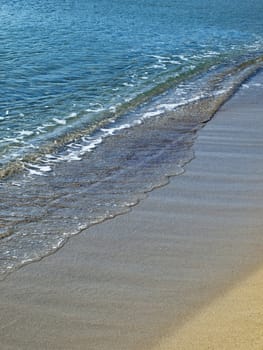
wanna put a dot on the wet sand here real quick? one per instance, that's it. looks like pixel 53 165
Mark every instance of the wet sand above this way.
pixel 146 279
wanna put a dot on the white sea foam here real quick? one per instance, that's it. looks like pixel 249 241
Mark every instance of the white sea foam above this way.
pixel 183 58
pixel 172 106
pixel 174 62
pixel 75 151
pixel 246 86
pixel 95 109
pixel 40 169
pixel 40 130
pixel 128 84
pixel 72 115
pixel 11 139
pixel 220 92
pixel 113 109
pixel 50 158
pixel 158 66
pixel 111 131
pixel 60 121
pixel 33 172
pixel 152 114
pixel 72 156
pixel 47 125
pixel 16 184
pixel 210 54
pixel 91 145
pixel 25 133
pixel 249 85
pixel 168 106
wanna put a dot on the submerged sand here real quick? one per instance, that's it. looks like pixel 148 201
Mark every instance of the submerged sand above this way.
pixel 174 273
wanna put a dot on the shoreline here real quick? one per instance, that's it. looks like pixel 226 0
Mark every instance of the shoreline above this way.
pixel 133 280
pixel 130 160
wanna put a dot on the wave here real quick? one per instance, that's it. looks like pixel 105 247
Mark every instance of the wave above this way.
pixel 209 74
pixel 98 172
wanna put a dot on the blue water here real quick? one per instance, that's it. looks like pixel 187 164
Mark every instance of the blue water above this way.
pixel 101 101
pixel 64 63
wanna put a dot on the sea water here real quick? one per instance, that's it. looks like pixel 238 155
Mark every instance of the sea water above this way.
pixel 100 103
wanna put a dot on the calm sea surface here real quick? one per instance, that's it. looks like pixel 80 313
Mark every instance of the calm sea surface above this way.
pixel 100 103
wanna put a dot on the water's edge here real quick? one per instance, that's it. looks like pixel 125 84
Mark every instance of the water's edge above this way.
pixel 47 210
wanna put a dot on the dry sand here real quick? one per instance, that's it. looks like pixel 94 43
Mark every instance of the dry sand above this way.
pixel 234 321
pixel 179 267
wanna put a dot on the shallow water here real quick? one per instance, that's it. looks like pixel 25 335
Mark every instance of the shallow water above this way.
pixel 131 282
pixel 68 64
pixel 101 102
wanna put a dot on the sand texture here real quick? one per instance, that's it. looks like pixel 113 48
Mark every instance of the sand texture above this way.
pixel 234 321
pixel 182 270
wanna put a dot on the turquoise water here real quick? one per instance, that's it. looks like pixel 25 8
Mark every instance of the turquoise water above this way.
pixel 100 102
pixel 64 64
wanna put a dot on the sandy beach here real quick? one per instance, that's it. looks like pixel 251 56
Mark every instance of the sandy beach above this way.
pixel 234 321
pixel 182 270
